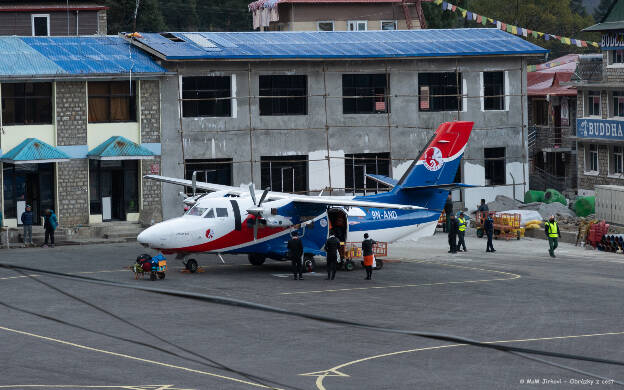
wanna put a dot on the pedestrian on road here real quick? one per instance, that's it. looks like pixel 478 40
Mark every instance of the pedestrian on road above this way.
pixel 553 233
pixel 448 211
pixel 50 223
pixel 452 234
pixel 461 232
pixel 27 221
pixel 331 248
pixel 295 253
pixel 367 252
pixel 489 230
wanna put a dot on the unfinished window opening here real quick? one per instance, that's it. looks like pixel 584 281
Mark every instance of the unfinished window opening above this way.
pixel 440 91
pixel 215 171
pixel 283 95
pixel 112 101
pixel 325 25
pixel 358 165
pixel 40 25
pixel 207 96
pixel 284 173
pixel 494 159
pixel 26 104
pixel 493 91
pixel 365 94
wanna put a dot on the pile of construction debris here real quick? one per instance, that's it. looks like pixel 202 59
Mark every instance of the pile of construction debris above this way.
pixel 504 203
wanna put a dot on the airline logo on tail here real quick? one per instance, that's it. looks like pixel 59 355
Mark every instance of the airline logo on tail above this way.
pixel 433 159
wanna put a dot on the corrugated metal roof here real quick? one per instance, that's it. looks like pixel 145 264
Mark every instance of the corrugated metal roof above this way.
pixel 32 150
pixel 338 44
pixel 116 148
pixel 71 56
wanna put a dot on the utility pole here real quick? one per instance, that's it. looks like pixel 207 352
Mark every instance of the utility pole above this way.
pixel 136 11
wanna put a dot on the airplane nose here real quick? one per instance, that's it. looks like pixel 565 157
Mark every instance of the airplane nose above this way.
pixel 146 237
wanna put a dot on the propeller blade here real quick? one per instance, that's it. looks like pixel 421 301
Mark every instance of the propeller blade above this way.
pixel 264 194
pixel 194 183
pixel 252 191
pixel 256 230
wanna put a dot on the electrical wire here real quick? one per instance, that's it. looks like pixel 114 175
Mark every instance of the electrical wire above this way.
pixel 261 307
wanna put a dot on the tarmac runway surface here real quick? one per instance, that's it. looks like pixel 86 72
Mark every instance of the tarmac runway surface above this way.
pixel 518 296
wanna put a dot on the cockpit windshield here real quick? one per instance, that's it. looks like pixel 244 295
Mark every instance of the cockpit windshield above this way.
pixel 197 211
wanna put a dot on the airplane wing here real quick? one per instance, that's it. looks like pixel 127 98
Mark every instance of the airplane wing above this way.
pixel 326 200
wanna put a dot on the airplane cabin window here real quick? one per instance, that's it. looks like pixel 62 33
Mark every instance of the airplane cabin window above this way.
pixel 209 214
pixel 221 212
pixel 196 210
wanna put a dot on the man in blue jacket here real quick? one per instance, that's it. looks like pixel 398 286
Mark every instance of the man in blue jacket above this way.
pixel 27 221
pixel 50 224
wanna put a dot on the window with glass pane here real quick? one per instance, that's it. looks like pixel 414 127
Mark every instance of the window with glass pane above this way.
pixel 618 103
pixel 365 94
pixel 112 101
pixel 618 56
pixel 281 88
pixel 26 103
pixel 325 26
pixel 592 158
pixel 357 25
pixel 357 166
pixel 493 91
pixel 616 159
pixel 284 173
pixel 494 166
pixel 593 103
pixel 208 96
pixel 216 171
pixel 389 25
pixel 440 91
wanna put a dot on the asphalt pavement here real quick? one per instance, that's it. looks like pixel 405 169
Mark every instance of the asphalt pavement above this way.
pixel 517 296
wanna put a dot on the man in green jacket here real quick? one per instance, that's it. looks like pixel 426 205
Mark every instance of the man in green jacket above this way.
pixel 553 233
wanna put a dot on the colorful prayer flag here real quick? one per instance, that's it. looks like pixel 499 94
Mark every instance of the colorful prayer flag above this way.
pixel 479 19
pixel 453 8
pixel 514 30
pixel 437 2
pixel 583 43
pixel 469 15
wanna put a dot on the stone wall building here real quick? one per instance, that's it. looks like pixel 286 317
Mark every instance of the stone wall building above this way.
pixel 307 112
pixel 77 131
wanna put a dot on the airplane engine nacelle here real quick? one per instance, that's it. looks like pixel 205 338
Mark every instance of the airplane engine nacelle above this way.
pixel 277 221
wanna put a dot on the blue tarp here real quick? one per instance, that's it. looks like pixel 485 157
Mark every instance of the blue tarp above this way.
pixel 338 44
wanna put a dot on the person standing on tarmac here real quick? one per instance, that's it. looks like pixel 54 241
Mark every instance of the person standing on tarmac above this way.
pixel 448 211
pixel 488 226
pixel 331 248
pixel 553 234
pixel 461 232
pixel 452 234
pixel 367 252
pixel 295 252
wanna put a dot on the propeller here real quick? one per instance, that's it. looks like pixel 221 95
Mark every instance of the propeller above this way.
pixel 257 210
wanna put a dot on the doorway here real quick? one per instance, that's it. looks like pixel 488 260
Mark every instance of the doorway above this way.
pixel 114 188
pixel 338 222
pixel 28 184
pixel 118 211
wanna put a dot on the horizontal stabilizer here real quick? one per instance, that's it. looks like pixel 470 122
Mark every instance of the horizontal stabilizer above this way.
pixel 448 187
pixel 381 179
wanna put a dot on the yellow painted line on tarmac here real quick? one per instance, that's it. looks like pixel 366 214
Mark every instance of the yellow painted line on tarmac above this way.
pixel 335 371
pixel 121 355
pixel 509 276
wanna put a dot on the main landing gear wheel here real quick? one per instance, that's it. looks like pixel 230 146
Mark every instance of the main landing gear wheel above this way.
pixel 191 265
pixel 308 263
pixel 256 259
pixel 349 265
pixel 379 264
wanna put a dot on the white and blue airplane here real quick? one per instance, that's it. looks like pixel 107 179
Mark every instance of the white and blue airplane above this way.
pixel 232 220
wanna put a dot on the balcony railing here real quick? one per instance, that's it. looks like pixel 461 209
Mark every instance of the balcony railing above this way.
pixel 540 180
pixel 550 137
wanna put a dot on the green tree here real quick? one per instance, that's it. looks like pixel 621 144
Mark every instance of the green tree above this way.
pixel 121 16
pixel 577 7
pixel 601 11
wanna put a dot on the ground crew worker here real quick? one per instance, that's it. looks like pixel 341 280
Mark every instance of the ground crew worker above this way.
pixel 448 211
pixel 553 234
pixel 295 252
pixel 331 248
pixel 452 234
pixel 461 232
pixel 367 252
pixel 488 226
pixel 483 206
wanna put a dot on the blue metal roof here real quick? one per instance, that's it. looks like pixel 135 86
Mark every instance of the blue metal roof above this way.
pixel 119 148
pixel 338 44
pixel 72 56
pixel 32 150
